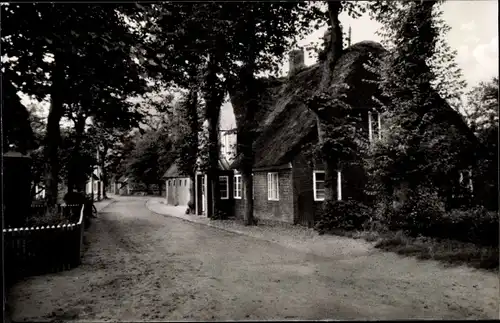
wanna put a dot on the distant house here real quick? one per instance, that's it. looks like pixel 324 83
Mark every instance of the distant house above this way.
pixel 288 182
pixel 122 185
pixel 227 143
pixel 94 184
pixel 178 186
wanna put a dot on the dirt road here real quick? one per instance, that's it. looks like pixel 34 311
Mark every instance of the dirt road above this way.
pixel 144 266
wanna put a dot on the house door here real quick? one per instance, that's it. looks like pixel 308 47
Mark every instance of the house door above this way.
pixel 203 195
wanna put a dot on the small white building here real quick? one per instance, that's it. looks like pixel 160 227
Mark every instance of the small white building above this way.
pixel 177 186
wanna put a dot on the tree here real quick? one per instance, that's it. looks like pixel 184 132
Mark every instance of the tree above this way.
pixel 482 117
pixel 335 120
pixel 86 40
pixel 187 142
pixel 214 44
pixel 426 144
pixel 147 162
pixel 16 127
pixel 482 106
pixel 260 36
pixel 448 78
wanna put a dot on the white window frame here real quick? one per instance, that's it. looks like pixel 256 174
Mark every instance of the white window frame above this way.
pixel 227 188
pixel 316 198
pixel 270 177
pixel 237 187
pixel 339 185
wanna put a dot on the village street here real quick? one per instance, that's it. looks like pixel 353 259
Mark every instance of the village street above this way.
pixel 140 265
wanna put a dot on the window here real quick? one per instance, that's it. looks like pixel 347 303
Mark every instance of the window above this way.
pixel 224 187
pixel 319 185
pixel 272 187
pixel 185 182
pixel 168 182
pixel 174 182
pixel 237 186
pixel 339 185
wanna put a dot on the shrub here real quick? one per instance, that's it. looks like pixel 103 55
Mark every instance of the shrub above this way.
pixel 44 219
pixel 423 213
pixel 476 225
pixel 345 215
pixel 418 214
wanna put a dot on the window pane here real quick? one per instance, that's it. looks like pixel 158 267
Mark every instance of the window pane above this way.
pixel 223 186
pixel 320 185
pixel 320 176
pixel 237 186
pixel 320 194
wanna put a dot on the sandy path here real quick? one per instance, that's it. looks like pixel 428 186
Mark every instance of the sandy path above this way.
pixel 144 266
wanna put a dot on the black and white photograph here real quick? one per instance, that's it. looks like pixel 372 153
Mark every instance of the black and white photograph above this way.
pixel 249 160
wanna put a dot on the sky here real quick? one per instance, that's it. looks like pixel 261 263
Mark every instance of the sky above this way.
pixel 474 34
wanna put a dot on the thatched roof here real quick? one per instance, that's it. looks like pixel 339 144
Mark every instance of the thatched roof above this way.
pixel 285 122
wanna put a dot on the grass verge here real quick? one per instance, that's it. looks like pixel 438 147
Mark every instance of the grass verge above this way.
pixel 447 251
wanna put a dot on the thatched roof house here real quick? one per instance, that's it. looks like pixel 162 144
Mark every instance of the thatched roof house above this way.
pixel 285 122
pixel 286 187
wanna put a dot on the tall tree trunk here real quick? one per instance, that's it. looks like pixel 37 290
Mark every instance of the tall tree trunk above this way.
pixel 194 129
pixel 103 170
pixel 53 135
pixel 214 96
pixel 245 104
pixel 213 191
pixel 192 194
pixel 73 174
pixel 333 52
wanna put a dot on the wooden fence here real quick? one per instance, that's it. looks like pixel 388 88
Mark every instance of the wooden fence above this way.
pixel 44 249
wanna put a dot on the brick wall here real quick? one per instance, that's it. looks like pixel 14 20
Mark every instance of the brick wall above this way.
pixel 281 210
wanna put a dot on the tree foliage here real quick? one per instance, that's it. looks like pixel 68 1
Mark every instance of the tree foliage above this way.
pixel 424 146
pixel 448 79
pixel 482 116
pixel 78 55
pixel 150 158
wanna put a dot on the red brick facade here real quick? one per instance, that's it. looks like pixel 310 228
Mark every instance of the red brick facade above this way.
pixel 281 210
pixel 296 192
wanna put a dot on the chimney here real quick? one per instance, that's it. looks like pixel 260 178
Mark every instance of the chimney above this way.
pixel 296 61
